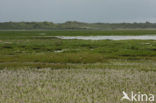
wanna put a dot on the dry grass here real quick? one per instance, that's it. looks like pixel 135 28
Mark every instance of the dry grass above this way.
pixel 73 85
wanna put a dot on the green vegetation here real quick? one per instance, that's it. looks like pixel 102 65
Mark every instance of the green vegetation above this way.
pixel 42 34
pixel 30 48
pixel 38 68
pixel 74 25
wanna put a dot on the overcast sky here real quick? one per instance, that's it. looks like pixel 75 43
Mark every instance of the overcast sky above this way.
pixel 78 10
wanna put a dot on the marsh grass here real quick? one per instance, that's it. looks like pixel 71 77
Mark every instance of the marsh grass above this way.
pixel 73 85
pixel 31 71
pixel 113 64
pixel 41 53
pixel 75 51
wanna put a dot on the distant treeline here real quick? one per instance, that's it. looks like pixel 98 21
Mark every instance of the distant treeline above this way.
pixel 73 25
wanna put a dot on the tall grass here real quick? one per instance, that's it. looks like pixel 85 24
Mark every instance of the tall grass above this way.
pixel 73 85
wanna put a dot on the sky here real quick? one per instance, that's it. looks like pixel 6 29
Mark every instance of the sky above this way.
pixel 58 11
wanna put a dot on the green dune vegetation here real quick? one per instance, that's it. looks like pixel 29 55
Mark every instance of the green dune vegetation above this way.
pixel 36 67
pixel 73 25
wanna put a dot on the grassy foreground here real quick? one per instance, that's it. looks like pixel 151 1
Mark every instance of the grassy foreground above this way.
pixel 35 68
pixel 73 85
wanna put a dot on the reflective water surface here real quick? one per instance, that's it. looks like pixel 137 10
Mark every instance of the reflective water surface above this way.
pixel 146 37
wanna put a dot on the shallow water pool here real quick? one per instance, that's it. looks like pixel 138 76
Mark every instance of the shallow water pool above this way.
pixel 146 37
